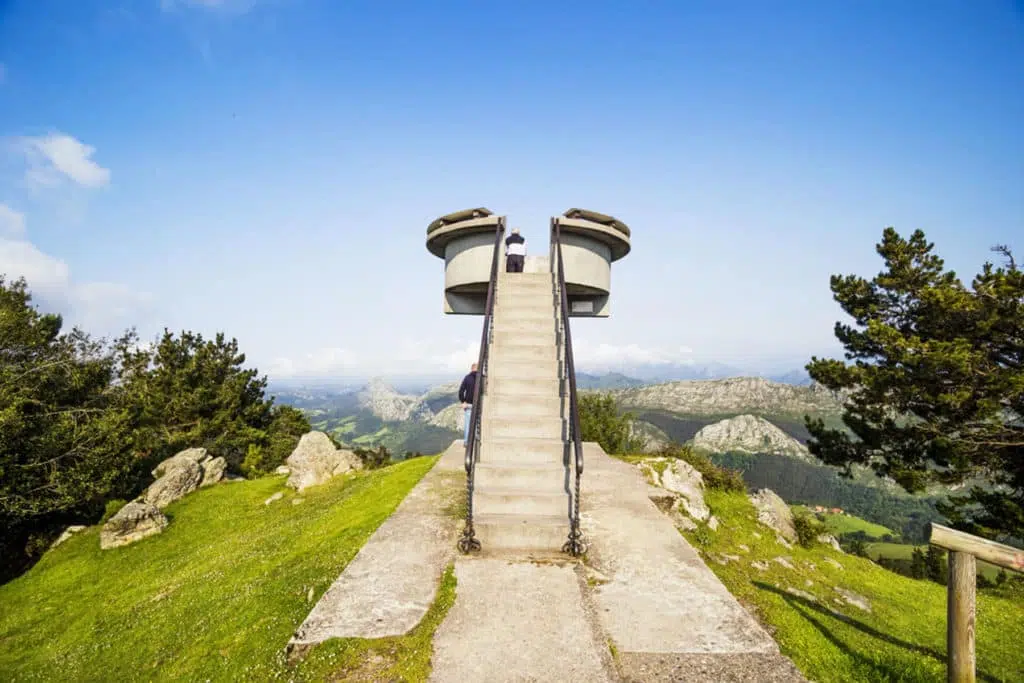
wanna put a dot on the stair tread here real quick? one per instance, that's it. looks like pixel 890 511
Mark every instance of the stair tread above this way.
pixel 518 517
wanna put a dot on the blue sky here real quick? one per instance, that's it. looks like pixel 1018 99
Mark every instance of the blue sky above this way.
pixel 268 167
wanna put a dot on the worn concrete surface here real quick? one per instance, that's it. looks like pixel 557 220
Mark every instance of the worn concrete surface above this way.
pixel 708 668
pixel 390 584
pixel 516 621
pixel 660 596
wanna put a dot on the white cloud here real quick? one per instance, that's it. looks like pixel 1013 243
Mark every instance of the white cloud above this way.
pixel 12 223
pixel 98 307
pixel 58 157
pixel 604 357
pixel 321 363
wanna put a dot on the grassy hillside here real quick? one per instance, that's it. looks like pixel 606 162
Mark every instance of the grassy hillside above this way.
pixel 904 551
pixel 840 524
pixel 866 496
pixel 214 597
pixel 901 638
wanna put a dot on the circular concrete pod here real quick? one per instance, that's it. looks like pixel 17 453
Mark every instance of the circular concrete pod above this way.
pixel 465 240
pixel 591 242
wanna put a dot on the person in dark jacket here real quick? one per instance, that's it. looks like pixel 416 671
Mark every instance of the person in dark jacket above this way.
pixel 466 390
pixel 515 252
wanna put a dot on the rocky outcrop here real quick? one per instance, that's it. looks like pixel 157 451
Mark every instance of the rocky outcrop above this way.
pixel 177 482
pixel 183 473
pixel 450 417
pixel 68 533
pixel 748 434
pixel 681 479
pixel 315 460
pixel 773 512
pixel 135 521
pixel 736 395
pixel 383 401
pixel 654 438
pixel 831 541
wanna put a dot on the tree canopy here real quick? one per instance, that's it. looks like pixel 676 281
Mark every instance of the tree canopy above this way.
pixel 934 380
pixel 84 421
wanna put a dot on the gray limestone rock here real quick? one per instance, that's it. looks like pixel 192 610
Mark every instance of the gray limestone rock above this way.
pixel 773 512
pixel 855 599
pixel 178 480
pixel 68 533
pixel 830 540
pixel 190 455
pixel 133 522
pixel 213 471
pixel 315 460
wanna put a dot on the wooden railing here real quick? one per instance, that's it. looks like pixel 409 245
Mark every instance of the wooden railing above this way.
pixel 964 551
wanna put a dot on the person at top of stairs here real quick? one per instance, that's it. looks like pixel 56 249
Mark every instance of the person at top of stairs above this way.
pixel 515 252
pixel 466 396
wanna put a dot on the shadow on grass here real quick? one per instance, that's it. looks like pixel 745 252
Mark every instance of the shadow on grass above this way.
pixel 806 609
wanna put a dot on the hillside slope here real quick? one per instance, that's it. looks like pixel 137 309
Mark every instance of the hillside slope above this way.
pixel 842 618
pixel 214 597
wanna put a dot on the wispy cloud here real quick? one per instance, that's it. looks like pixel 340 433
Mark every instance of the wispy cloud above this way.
pixel 604 357
pixel 12 223
pixel 96 306
pixel 56 158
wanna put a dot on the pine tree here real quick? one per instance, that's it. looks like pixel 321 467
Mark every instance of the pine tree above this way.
pixel 934 380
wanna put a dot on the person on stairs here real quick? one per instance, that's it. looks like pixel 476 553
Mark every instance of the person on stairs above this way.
pixel 466 396
pixel 515 252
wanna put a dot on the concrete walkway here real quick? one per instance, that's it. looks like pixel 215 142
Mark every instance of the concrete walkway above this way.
pixel 516 621
pixel 390 584
pixel 668 615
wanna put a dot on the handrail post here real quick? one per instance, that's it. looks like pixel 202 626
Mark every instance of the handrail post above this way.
pixel 960 594
pixel 574 545
pixel 469 541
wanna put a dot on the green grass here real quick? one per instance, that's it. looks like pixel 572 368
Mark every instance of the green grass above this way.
pixel 903 638
pixel 839 524
pixel 214 597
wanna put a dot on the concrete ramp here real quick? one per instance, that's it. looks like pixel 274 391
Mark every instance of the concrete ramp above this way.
pixel 516 621
pixel 390 584
pixel 667 613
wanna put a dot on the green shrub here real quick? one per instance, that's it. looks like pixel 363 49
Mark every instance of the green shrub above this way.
pixel 808 528
pixel 111 509
pixel 716 478
pixel 600 421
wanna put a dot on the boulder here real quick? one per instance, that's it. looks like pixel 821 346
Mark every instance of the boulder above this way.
pixel 681 478
pixel 178 481
pixel 135 521
pixel 213 471
pixel 68 533
pixel 855 599
pixel 197 456
pixel 830 540
pixel 773 512
pixel 315 460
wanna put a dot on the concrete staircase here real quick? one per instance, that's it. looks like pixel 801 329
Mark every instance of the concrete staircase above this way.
pixel 521 500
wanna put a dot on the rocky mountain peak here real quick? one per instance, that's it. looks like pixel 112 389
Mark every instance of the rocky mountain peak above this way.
pixel 748 434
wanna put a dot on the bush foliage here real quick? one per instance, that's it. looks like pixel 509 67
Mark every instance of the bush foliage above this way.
pixel 83 421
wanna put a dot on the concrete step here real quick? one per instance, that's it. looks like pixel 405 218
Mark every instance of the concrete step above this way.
pixel 510 337
pixel 508 350
pixel 519 387
pixel 527 331
pixel 526 290
pixel 522 427
pixel 520 278
pixel 521 532
pixel 525 313
pixel 520 502
pixel 529 452
pixel 511 406
pixel 545 478
pixel 500 367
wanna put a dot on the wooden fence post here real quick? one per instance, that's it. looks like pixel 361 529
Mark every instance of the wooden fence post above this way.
pixel 960 590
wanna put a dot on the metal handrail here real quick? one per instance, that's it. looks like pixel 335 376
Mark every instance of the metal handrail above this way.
pixel 469 541
pixel 574 545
